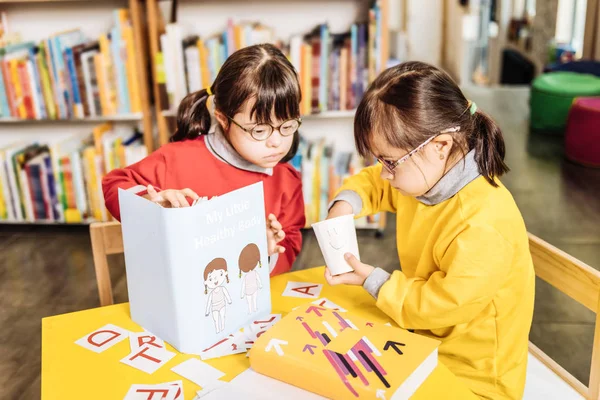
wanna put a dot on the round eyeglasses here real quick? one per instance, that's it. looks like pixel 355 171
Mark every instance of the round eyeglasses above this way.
pixel 264 131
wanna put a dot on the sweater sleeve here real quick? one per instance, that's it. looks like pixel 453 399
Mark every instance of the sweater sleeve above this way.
pixel 292 219
pixel 375 193
pixel 149 171
pixel 472 270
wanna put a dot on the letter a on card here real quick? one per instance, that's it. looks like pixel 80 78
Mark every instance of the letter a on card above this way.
pixel 103 338
pixel 303 290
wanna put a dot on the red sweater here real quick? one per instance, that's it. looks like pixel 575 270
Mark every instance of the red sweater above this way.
pixel 189 164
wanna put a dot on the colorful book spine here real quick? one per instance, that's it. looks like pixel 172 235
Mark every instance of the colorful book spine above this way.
pixel 323 79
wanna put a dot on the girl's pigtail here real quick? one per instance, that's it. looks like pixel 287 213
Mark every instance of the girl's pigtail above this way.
pixel 489 148
pixel 193 116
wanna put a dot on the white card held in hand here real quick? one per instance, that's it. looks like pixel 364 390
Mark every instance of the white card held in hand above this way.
pixel 324 302
pixel 304 290
pixel 163 391
pixel 103 338
pixel 148 358
pixel 140 339
pixel 198 372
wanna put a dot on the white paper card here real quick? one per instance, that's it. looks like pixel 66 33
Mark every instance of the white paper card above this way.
pixel 234 344
pixel 264 324
pixel 139 339
pixel 163 391
pixel 304 290
pixel 103 338
pixel 148 358
pixel 270 389
pixel 229 391
pixel 209 388
pixel 326 303
pixel 198 372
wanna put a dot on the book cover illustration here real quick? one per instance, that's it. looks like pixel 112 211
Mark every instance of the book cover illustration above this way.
pixel 341 356
pixel 198 274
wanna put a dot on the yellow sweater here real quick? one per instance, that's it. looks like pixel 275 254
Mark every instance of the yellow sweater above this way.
pixel 467 278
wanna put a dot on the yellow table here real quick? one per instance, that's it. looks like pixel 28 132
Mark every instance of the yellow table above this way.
pixel 70 371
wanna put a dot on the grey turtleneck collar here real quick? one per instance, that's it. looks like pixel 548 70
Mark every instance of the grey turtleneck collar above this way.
pixel 459 176
pixel 220 147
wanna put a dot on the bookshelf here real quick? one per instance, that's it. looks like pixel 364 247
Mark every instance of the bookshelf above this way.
pixel 136 117
pixel 285 20
pixel 36 21
pixel 43 18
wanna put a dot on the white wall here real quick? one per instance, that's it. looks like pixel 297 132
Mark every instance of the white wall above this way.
pixel 425 31
pixel 453 43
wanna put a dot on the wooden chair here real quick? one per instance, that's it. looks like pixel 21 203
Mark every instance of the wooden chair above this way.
pixel 107 238
pixel 582 283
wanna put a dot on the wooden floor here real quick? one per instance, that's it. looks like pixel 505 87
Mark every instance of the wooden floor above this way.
pixel 48 271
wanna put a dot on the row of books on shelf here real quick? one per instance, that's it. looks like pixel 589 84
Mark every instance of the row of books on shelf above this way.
pixel 60 180
pixel 334 69
pixel 69 76
pixel 323 171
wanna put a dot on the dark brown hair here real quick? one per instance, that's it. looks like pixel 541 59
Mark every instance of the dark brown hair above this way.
pixel 411 102
pixel 261 72
pixel 214 265
pixel 249 257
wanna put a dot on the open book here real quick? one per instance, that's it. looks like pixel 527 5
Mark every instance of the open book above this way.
pixel 197 274
pixel 341 356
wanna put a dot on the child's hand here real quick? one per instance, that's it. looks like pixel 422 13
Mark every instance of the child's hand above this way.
pixel 171 198
pixel 358 277
pixel 275 234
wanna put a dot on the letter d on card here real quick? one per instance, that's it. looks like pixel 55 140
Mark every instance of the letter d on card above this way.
pixel 103 338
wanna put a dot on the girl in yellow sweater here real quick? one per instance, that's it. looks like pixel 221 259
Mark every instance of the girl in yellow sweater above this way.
pixel 467 277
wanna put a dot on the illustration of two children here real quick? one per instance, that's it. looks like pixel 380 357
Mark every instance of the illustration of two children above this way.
pixel 216 276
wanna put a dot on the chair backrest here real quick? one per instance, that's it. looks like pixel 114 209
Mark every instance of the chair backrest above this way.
pixel 107 239
pixel 580 282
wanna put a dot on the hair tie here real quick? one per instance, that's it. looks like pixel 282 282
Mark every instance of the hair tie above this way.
pixel 210 93
pixel 472 107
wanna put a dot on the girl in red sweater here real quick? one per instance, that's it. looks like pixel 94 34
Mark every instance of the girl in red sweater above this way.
pixel 249 137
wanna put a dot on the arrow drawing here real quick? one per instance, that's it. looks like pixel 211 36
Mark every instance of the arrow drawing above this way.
pixel 370 324
pixel 309 348
pixel 265 322
pixel 380 394
pixel 316 310
pixel 299 319
pixel 393 345
pixel 276 344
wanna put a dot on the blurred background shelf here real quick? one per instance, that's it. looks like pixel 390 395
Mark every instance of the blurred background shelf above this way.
pixel 88 120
